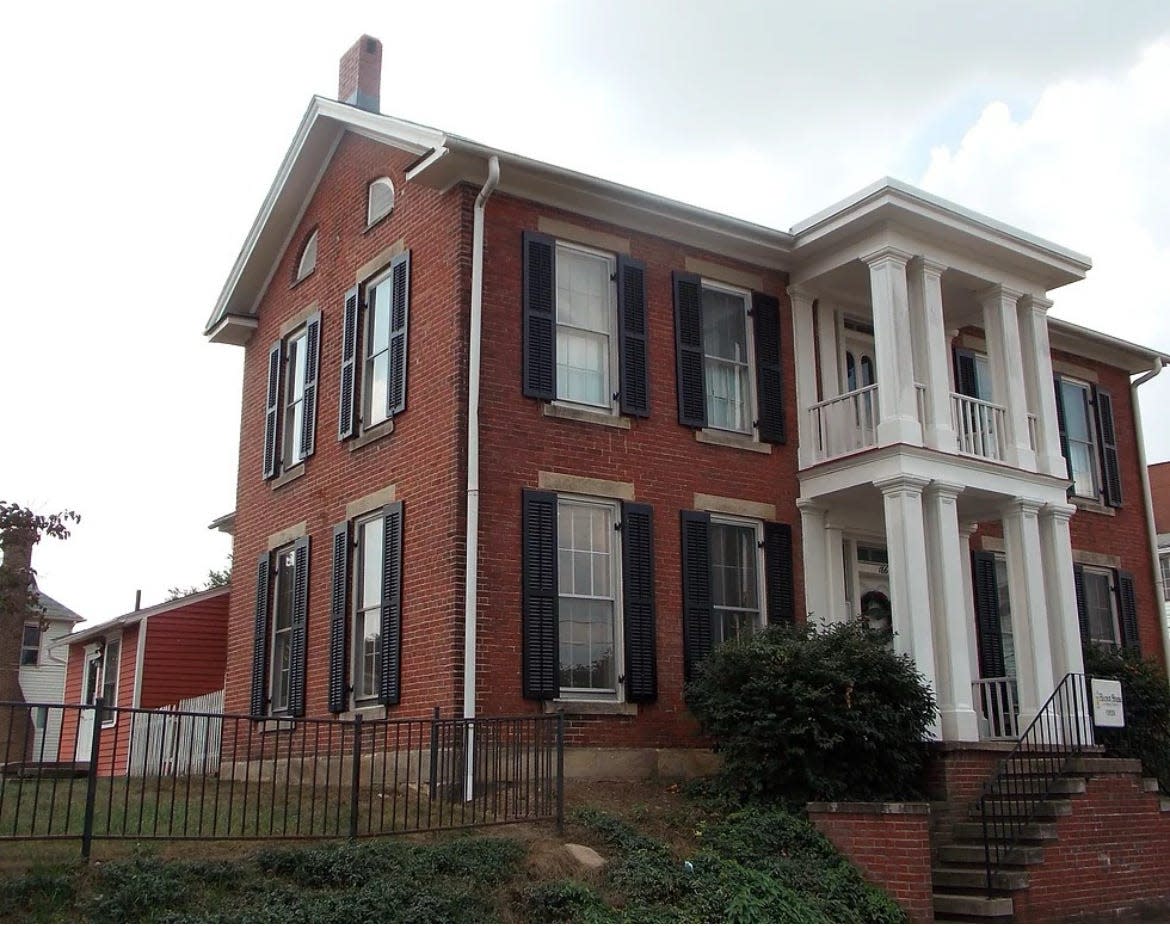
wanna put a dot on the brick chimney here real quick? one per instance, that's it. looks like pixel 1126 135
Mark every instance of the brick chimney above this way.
pixel 359 79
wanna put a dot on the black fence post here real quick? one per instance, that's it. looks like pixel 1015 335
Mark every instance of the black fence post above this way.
pixel 560 772
pixel 95 745
pixel 355 777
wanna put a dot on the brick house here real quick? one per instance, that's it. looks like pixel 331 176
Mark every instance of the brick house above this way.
pixel 659 427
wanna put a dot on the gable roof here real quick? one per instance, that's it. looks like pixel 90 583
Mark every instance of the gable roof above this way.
pixel 133 617
pixel 55 611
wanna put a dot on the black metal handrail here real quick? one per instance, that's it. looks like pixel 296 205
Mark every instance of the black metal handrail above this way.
pixel 1061 730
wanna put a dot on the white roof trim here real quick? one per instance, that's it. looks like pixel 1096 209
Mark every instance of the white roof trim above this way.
pixel 133 617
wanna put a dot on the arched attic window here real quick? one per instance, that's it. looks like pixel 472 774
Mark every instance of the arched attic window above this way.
pixel 381 200
pixel 308 262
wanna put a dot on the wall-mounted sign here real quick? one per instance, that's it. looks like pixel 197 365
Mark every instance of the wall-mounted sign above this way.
pixel 1108 706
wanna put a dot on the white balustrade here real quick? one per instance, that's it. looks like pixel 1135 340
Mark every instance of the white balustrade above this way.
pixel 996 707
pixel 981 427
pixel 845 424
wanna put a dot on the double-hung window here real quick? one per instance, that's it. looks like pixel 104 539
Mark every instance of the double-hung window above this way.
pixel 1100 604
pixel 367 627
pixel 736 574
pixel 111 667
pixel 30 644
pixel 294 398
pixel 290 418
pixel 1164 560
pixel 376 377
pixel 1081 447
pixel 727 360
pixel 586 319
pixel 281 670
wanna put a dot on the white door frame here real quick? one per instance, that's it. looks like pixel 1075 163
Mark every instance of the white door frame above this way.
pixel 91 686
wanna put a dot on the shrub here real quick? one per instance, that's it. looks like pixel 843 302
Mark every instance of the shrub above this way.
pixel 1146 734
pixel 806 713
pixel 565 902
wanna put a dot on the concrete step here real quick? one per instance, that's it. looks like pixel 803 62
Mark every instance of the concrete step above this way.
pixel 972 905
pixel 1090 765
pixel 1046 809
pixel 1033 785
pixel 972 854
pixel 975 878
pixel 1165 804
pixel 1150 785
pixel 1034 832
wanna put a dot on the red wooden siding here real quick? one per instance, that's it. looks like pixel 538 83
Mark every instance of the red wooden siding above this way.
pixel 186 652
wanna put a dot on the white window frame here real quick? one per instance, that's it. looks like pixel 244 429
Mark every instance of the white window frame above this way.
pixel 307 261
pixel 291 404
pixel 359 607
pixel 1091 430
pixel 753 414
pixel 1110 580
pixel 384 276
pixel 613 509
pixel 757 528
pixel 1164 563
pixel 25 648
pixel 112 719
pixel 371 218
pixel 613 386
pixel 274 629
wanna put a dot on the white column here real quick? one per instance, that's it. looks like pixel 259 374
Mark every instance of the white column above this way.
pixel 945 554
pixel 897 405
pixel 816 578
pixel 835 567
pixel 935 370
pixel 909 584
pixel 965 532
pixel 1063 623
pixel 827 342
pixel 806 372
pixel 1004 356
pixel 1037 353
pixel 1034 675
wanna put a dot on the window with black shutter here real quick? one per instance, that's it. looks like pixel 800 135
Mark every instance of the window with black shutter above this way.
pixel 1107 438
pixel 390 657
pixel 339 619
pixel 259 688
pixel 539 308
pixel 769 371
pixel 280 627
pixel 779 574
pixel 698 614
pixel 1099 605
pixel 385 336
pixel 347 417
pixel 1079 437
pixel 540 665
pixel 1127 612
pixel 638 598
pixel 987 614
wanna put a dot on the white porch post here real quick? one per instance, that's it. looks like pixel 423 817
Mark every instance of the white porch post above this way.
pixel 945 556
pixel 965 532
pixel 1021 535
pixel 806 372
pixel 1063 624
pixel 1005 358
pixel 932 356
pixel 897 403
pixel 827 342
pixel 909 583
pixel 1037 353
pixel 816 577
pixel 835 566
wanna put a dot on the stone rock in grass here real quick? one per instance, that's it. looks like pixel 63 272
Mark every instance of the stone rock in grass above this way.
pixel 584 857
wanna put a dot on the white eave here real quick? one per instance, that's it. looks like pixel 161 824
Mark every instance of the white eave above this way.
pixel 1096 345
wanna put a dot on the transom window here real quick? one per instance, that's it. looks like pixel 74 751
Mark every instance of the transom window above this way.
pixel 308 262
pixel 30 645
pixel 380 201
pixel 282 619
pixel 727 359
pixel 367 635
pixel 296 357
pixel 586 321
pixel 735 577
pixel 1100 607
pixel 587 568
pixel 1076 400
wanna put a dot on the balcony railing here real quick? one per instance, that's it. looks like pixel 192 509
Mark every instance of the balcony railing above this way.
pixel 980 426
pixel 846 423
pixel 996 707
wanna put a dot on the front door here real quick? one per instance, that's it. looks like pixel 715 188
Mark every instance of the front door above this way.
pixel 90 683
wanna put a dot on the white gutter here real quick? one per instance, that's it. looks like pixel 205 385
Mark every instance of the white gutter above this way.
pixel 471 544
pixel 1147 497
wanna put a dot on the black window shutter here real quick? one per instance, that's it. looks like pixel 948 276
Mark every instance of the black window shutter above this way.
pixel 779 576
pixel 633 337
pixel 312 365
pixel 698 612
pixel 390 690
pixel 399 324
pixel 688 342
pixel 300 615
pixel 346 406
pixel 1082 611
pixel 541 631
pixel 1062 427
pixel 991 663
pixel 260 640
pixel 1107 438
pixel 638 600
pixel 272 410
pixel 769 375
pixel 539 288
pixel 339 619
pixel 966 379
pixel 1127 612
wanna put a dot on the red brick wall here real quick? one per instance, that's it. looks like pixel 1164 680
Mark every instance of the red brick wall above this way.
pixel 1160 493
pixel 186 651
pixel 889 843
pixel 659 456
pixel 421 457
pixel 955 776
pixel 1112 855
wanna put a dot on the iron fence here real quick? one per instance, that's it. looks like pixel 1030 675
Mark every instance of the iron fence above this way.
pixel 130 773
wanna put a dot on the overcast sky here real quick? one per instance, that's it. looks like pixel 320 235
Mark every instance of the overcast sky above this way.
pixel 139 142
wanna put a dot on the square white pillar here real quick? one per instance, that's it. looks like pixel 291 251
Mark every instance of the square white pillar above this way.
pixel 897 403
pixel 816 578
pixel 945 554
pixel 804 350
pixel 826 318
pixel 1037 352
pixel 1063 624
pixel 909 582
pixel 1005 358
pixel 1035 678
pixel 932 357
pixel 965 532
pixel 835 567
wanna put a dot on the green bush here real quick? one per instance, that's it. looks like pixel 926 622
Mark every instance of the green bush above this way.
pixel 565 902
pixel 1146 734
pixel 805 713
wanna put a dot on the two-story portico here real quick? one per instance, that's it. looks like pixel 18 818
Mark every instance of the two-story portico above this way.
pixel 906 444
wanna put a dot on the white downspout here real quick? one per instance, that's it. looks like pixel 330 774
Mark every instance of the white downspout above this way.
pixel 1147 497
pixel 471 543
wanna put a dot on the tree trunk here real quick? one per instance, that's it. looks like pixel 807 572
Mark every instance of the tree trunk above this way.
pixel 17 601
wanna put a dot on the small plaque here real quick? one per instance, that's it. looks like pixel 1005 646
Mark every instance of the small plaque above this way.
pixel 1108 705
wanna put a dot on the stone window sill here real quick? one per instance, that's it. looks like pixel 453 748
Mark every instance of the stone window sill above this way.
pixel 591 708
pixel 289 475
pixel 370 435
pixel 1087 504
pixel 587 415
pixel 366 712
pixel 727 439
pixel 278 725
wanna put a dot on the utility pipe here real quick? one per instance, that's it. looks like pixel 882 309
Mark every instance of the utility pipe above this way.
pixel 471 542
pixel 1147 497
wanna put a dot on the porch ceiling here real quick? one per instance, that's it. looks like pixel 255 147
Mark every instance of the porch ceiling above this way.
pixel 860 508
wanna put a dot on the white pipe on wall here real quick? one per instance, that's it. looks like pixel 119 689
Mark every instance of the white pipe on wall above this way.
pixel 1147 498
